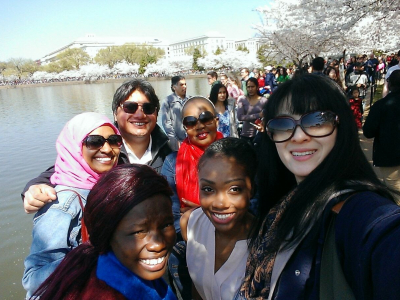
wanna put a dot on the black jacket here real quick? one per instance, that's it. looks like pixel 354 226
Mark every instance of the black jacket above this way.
pixel 383 124
pixel 159 150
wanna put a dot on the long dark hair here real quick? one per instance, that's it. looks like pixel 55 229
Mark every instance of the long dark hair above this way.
pixel 214 94
pixel 111 198
pixel 255 81
pixel 345 167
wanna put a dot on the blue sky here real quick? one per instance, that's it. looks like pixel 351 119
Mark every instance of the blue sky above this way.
pixel 33 28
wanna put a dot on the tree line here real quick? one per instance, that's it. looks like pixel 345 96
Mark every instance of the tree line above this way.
pixel 74 58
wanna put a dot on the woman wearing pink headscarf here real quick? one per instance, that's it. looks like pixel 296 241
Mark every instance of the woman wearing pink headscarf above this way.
pixel 88 146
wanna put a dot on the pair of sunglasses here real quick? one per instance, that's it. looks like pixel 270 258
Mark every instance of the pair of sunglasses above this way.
pixel 206 117
pixel 130 107
pixel 95 142
pixel 314 124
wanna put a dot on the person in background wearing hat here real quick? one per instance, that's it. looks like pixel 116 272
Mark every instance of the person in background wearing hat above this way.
pixel 383 124
pixel 390 70
pixel 270 80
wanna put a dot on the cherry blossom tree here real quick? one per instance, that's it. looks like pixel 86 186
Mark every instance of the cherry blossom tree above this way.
pixel 94 70
pixel 125 68
pixel 296 30
pixel 229 59
pixel 170 66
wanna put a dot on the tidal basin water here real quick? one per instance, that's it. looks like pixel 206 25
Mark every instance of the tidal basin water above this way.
pixel 30 120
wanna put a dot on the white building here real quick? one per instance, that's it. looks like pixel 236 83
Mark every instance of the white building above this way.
pixel 253 44
pixel 92 44
pixel 205 43
pixel 208 43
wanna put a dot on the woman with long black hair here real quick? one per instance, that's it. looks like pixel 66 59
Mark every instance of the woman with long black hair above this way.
pixel 250 109
pixel 322 208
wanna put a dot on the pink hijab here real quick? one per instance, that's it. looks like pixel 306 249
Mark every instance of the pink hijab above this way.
pixel 71 169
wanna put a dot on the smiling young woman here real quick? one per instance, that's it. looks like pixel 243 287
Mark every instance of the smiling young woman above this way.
pixel 312 161
pixel 130 224
pixel 87 147
pixel 250 109
pixel 217 233
pixel 180 168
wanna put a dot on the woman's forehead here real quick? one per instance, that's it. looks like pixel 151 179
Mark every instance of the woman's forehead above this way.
pixel 196 107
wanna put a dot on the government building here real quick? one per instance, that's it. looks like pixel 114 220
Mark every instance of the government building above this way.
pixel 205 43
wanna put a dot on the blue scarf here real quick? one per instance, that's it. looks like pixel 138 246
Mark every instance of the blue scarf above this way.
pixel 117 276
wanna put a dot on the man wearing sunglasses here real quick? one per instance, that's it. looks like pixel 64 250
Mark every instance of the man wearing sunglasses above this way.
pixel 171 116
pixel 135 107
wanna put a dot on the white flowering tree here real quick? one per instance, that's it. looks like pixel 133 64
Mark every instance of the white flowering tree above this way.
pixel 297 29
pixel 170 66
pixel 125 68
pixel 229 59
pixel 94 70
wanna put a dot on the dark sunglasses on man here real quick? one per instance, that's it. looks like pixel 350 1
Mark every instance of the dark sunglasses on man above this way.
pixel 95 142
pixel 206 117
pixel 130 107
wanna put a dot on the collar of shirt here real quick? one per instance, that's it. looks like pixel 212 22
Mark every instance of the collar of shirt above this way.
pixel 181 99
pixel 133 159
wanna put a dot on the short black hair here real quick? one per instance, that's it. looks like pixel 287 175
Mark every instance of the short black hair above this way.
pixel 213 74
pixel 394 80
pixel 128 87
pixel 175 80
pixel 243 153
pixel 318 64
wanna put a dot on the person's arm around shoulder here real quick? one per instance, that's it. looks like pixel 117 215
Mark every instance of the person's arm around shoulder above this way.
pixel 50 240
pixel 184 223
pixel 38 192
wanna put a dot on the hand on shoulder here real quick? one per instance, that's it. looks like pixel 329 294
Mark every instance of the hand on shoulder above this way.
pixel 37 196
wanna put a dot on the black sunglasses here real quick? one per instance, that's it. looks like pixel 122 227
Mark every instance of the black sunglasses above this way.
pixel 314 124
pixel 95 142
pixel 206 117
pixel 130 107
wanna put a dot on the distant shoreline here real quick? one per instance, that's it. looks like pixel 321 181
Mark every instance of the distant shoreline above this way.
pixel 5 87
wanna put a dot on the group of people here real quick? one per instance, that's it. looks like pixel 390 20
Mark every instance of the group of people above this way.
pixel 128 202
pixel 238 113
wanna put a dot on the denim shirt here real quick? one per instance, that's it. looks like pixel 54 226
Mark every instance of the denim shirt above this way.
pixel 171 119
pixel 56 231
pixel 169 172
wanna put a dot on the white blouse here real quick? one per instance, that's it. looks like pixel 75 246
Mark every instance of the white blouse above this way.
pixel 200 256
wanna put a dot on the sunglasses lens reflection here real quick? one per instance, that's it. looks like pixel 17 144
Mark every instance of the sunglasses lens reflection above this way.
pixel 94 142
pixel 131 107
pixel 204 118
pixel 315 124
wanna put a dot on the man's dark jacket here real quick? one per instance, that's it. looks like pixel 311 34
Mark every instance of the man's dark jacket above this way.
pixel 383 124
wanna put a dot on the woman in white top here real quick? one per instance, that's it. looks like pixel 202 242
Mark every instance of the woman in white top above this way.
pixel 217 233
